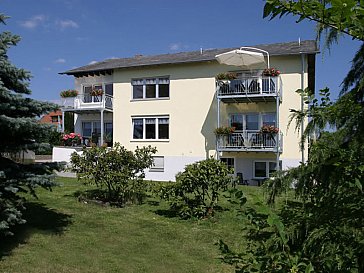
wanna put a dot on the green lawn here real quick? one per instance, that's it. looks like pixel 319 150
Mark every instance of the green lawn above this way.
pixel 64 235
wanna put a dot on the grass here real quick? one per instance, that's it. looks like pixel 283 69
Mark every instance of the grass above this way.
pixel 64 235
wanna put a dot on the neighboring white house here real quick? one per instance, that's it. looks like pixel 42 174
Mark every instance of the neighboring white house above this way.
pixel 173 102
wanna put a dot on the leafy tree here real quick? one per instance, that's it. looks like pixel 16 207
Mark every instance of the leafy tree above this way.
pixel 323 229
pixel 19 132
pixel 117 169
pixel 197 188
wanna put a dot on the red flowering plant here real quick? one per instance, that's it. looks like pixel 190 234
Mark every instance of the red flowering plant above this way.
pixel 271 72
pixel 269 129
pixel 224 130
pixel 71 139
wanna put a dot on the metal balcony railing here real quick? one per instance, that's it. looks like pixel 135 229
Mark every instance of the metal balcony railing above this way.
pixel 249 86
pixel 250 140
pixel 86 101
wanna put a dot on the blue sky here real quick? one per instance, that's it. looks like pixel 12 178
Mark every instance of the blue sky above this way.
pixel 58 35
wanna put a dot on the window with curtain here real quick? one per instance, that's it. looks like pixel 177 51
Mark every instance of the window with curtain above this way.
pixel 150 88
pixel 163 128
pixel 150 124
pixel 150 128
pixel 138 128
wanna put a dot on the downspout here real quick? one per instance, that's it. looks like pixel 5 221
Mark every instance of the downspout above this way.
pixel 102 127
pixel 218 120
pixel 278 134
pixel 302 104
pixel 62 121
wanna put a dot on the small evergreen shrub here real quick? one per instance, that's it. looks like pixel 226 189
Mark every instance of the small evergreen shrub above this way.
pixel 197 188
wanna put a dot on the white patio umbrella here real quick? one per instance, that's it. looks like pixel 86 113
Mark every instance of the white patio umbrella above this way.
pixel 245 57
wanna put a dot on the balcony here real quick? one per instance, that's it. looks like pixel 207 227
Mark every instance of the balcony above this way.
pixel 249 89
pixel 250 141
pixel 85 102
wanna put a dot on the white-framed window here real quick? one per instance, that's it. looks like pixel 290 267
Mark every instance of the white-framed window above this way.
pixel 150 128
pixel 150 88
pixel 264 169
pixel 158 164
pixel 251 121
pixel 229 161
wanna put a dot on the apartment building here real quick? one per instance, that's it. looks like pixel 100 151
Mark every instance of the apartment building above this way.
pixel 175 103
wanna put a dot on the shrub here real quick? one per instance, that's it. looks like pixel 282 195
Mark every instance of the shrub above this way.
pixel 119 171
pixel 197 188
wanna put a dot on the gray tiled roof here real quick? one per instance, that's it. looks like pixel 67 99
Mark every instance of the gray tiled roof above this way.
pixel 290 48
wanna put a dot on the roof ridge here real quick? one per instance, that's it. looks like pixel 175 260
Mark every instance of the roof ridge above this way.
pixel 281 48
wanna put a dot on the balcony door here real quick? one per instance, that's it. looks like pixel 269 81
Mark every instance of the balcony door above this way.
pixel 86 98
pixel 242 122
pixel 251 121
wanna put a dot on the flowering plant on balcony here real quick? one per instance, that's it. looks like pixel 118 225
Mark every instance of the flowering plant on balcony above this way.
pixel 271 72
pixel 226 76
pixel 68 93
pixel 71 139
pixel 269 129
pixel 96 92
pixel 224 130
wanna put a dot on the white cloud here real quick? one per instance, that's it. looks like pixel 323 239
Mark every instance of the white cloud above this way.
pixel 177 46
pixel 34 21
pixel 92 62
pixel 60 61
pixel 174 46
pixel 63 24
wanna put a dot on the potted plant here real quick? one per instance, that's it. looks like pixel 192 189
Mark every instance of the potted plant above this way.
pixel 96 92
pixel 271 72
pixel 269 129
pixel 108 139
pixel 226 76
pixel 71 139
pixel 68 93
pixel 224 130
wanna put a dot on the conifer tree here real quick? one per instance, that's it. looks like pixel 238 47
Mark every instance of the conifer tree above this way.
pixel 19 131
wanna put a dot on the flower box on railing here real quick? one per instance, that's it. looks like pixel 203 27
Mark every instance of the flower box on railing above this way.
pixel 68 93
pixel 271 72
pixel 224 130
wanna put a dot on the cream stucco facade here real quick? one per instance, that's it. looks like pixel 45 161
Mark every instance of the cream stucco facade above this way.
pixel 192 112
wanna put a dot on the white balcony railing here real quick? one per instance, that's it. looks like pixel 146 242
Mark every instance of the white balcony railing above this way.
pixel 250 140
pixel 85 101
pixel 249 86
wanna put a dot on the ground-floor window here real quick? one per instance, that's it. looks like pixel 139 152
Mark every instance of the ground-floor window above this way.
pixel 229 161
pixel 264 169
pixel 158 165
pixel 94 127
pixel 150 128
